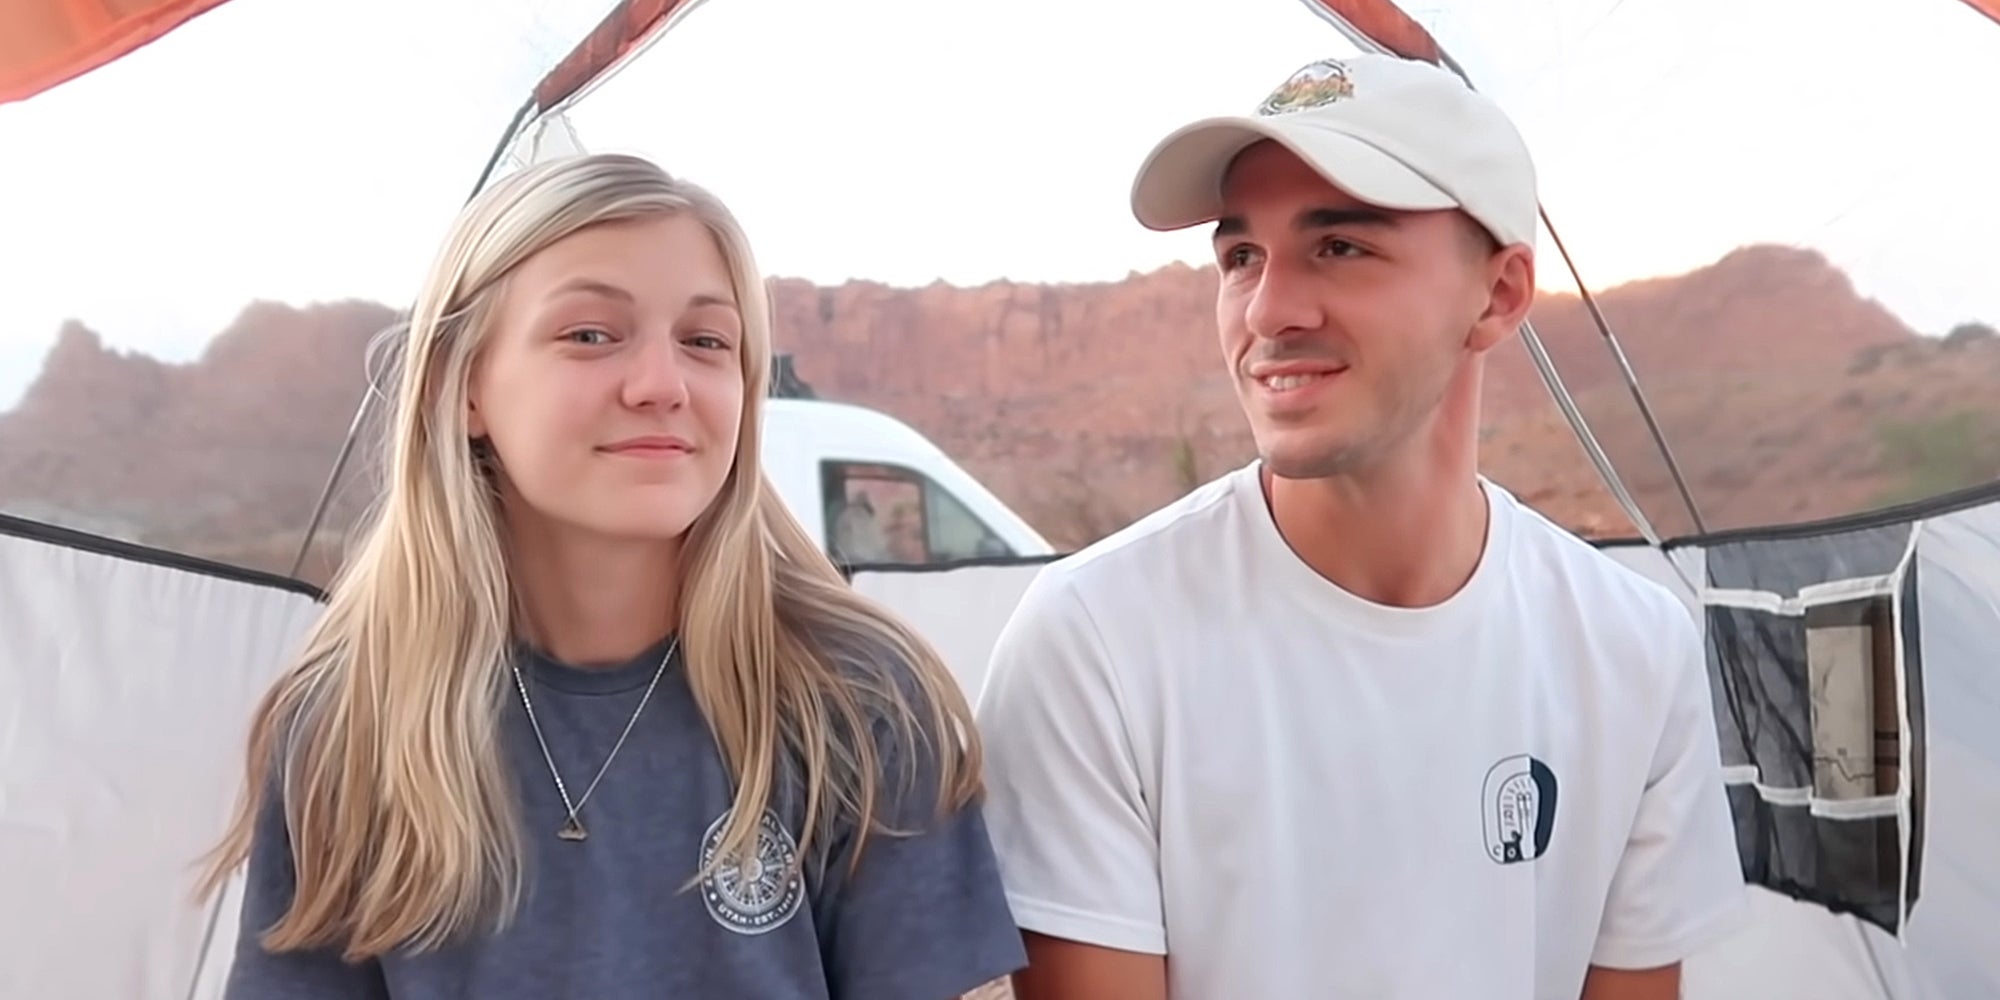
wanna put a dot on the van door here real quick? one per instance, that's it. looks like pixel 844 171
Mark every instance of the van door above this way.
pixel 883 513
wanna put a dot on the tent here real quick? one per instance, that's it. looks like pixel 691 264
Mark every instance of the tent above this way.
pixel 1851 654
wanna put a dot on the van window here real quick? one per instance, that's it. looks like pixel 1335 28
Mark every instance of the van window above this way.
pixel 879 513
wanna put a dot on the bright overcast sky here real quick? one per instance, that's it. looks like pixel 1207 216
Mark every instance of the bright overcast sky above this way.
pixel 305 150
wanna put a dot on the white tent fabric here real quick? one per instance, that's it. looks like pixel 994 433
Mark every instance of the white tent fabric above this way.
pixel 126 688
pixel 959 610
pixel 1958 561
pixel 127 677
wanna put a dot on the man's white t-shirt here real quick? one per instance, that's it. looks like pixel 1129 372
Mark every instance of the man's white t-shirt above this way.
pixel 1198 746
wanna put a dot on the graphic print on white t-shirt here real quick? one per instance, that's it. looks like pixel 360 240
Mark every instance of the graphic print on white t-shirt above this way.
pixel 1198 746
pixel 1520 799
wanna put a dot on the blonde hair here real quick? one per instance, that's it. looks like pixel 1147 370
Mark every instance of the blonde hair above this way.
pixel 383 735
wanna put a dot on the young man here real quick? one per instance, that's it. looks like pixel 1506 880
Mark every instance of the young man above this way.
pixel 1352 721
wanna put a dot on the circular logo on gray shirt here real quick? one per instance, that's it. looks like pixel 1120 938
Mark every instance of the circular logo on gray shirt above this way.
pixel 757 895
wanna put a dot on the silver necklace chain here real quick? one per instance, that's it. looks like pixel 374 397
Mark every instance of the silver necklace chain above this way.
pixel 573 829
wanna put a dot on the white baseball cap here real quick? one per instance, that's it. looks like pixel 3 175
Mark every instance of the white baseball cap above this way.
pixel 1396 133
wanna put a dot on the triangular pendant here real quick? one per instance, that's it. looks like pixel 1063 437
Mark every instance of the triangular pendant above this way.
pixel 572 830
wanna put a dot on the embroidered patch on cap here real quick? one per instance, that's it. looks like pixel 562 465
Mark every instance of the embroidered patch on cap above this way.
pixel 1316 85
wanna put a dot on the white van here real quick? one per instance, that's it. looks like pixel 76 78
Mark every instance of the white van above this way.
pixel 875 491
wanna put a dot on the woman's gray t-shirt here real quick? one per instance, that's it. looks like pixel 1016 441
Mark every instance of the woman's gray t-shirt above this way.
pixel 612 916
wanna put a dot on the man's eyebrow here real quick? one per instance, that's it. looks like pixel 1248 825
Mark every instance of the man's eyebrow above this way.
pixel 1326 218
pixel 1312 218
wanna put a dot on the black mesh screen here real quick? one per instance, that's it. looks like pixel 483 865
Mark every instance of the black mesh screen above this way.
pixel 1768 689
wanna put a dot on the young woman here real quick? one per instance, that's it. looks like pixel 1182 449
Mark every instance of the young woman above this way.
pixel 588 713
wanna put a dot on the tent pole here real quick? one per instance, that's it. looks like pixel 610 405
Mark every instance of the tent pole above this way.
pixel 1874 960
pixel 521 114
pixel 332 479
pixel 1631 377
